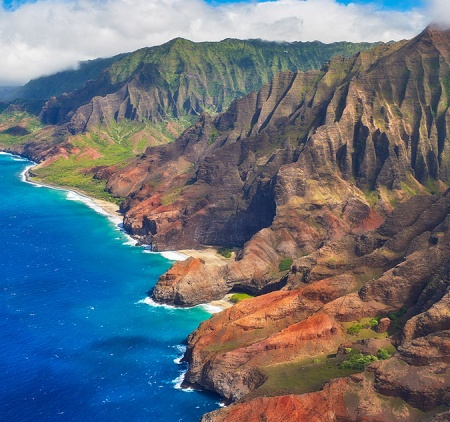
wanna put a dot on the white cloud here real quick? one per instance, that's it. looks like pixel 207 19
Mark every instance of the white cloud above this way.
pixel 51 35
pixel 440 11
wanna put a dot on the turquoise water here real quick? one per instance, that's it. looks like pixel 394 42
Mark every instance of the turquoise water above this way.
pixel 77 342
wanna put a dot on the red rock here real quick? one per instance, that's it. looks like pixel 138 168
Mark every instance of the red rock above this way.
pixel 383 325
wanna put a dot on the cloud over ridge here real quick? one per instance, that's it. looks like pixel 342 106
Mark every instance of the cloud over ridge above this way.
pixel 51 35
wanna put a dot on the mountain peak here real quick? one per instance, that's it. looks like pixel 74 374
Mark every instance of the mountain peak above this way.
pixel 435 33
pixel 179 41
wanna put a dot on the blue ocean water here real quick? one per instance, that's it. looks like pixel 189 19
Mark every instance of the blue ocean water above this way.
pixel 77 342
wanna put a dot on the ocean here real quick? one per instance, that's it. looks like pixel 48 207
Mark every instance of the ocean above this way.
pixel 79 339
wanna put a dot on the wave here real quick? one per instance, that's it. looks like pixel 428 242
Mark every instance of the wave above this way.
pixel 178 381
pixel 24 178
pixel 15 157
pixel 170 255
pixel 130 241
pixel 207 307
pixel 211 309
pixel 181 349
pixel 149 301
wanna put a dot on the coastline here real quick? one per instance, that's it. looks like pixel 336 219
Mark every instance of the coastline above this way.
pixel 112 211
pixel 88 278
pixel 107 208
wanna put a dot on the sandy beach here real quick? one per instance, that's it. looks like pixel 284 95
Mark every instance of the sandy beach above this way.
pixel 223 303
pixel 209 255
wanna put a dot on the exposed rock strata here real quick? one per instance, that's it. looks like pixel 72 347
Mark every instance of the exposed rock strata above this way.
pixel 340 400
pixel 308 159
pixel 228 350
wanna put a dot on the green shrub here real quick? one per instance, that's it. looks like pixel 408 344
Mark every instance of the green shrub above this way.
pixel 285 264
pixel 225 252
pixel 354 329
pixel 393 316
pixel 358 362
pixel 373 322
pixel 211 138
pixel 237 297
pixel 383 354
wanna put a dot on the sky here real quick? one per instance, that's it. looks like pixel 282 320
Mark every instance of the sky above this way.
pixel 41 37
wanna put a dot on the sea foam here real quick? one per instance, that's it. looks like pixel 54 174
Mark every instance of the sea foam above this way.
pixel 150 302
pixel 211 309
pixel 170 255
pixel 178 381
pixel 181 350
pixel 207 307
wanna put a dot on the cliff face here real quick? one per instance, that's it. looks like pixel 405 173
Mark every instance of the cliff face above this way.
pixel 400 268
pixel 317 167
pixel 182 79
pixel 309 158
pixel 342 171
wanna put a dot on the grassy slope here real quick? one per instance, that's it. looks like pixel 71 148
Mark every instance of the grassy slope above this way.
pixel 113 144
pixel 110 145
pixel 17 128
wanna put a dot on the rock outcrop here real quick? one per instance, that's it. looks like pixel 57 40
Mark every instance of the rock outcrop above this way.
pixel 308 159
pixel 406 273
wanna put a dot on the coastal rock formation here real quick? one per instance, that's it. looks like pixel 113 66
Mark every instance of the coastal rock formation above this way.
pixel 308 159
pixel 405 270
pixel 191 271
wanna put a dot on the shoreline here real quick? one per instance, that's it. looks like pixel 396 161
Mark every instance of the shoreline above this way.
pixel 108 209
pixel 112 211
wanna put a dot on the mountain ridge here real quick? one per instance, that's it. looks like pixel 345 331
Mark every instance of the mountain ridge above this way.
pixel 146 98
pixel 190 78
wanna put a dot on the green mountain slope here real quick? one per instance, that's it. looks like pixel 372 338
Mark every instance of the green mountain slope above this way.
pixel 65 81
pixel 183 78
